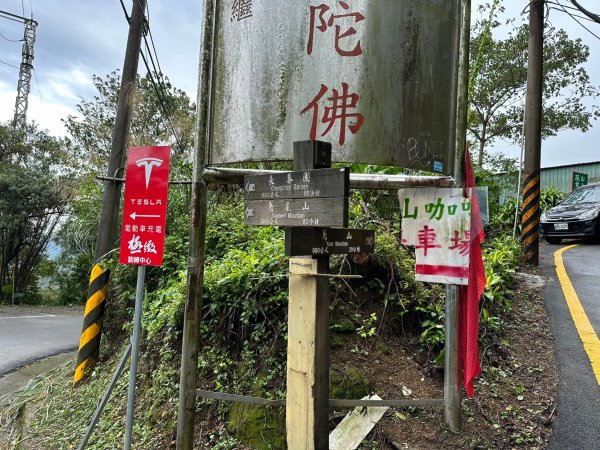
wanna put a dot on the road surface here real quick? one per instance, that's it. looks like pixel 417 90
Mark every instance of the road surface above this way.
pixel 28 334
pixel 572 301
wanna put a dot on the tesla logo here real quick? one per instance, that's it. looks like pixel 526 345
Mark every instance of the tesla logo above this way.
pixel 148 164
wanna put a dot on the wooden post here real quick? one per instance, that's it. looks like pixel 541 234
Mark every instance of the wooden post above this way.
pixel 111 199
pixel 188 380
pixel 530 221
pixel 307 406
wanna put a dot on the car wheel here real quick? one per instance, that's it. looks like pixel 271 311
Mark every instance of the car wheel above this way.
pixel 553 240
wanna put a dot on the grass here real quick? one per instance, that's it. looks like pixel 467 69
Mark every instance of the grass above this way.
pixel 56 415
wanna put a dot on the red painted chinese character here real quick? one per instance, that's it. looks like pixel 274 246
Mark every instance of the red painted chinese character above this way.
pixel 323 25
pixel 461 244
pixel 338 111
pixel 427 239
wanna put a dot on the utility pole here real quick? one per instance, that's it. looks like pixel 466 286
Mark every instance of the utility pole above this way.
pixel 107 226
pixel 109 214
pixel 530 233
pixel 24 84
pixel 188 379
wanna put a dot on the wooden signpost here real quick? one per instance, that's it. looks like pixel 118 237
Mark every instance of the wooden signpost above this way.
pixel 314 212
pixel 317 183
pixel 307 198
pixel 308 201
pixel 331 241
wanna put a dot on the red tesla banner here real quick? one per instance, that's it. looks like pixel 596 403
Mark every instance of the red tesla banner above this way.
pixel 145 206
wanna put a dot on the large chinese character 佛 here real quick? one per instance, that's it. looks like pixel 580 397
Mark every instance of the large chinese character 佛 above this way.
pixel 317 21
pixel 338 111
pixel 241 9
pixel 427 239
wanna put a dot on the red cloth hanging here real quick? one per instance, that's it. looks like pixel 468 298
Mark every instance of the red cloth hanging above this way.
pixel 471 293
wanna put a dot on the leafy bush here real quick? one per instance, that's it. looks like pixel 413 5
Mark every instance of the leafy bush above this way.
pixel 550 197
pixel 500 259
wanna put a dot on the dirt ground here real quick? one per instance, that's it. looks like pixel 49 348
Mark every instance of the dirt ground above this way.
pixel 40 309
pixel 515 397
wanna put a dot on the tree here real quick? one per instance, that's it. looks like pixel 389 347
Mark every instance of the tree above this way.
pixel 497 90
pixel 89 140
pixel 34 181
pixel 164 120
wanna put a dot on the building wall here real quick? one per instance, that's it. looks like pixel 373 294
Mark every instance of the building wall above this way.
pixel 561 176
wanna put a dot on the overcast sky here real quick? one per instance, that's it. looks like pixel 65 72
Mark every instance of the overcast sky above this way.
pixel 78 38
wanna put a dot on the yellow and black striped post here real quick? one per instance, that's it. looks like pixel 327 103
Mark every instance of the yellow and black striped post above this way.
pixel 89 344
pixel 530 221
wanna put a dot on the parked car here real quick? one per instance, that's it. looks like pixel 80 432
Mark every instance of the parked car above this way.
pixel 575 217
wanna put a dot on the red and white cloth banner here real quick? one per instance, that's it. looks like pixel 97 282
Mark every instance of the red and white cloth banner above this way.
pixel 436 221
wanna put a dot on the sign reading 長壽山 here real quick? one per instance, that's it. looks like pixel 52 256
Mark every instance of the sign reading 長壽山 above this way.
pixel 436 221
pixel 376 78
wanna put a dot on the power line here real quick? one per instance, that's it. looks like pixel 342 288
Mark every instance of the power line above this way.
pixel 10 65
pixel 159 93
pixel 563 8
pixel 162 104
pixel 10 40
pixel 591 15
pixel 38 85
pixel 576 20
pixel 125 11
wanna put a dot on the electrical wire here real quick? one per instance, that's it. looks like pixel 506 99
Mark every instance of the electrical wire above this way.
pixel 159 93
pixel 38 85
pixel 10 65
pixel 575 19
pixel 594 17
pixel 161 102
pixel 125 11
pixel 10 40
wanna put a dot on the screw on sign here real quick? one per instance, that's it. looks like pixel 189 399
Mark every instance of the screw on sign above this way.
pixel 145 206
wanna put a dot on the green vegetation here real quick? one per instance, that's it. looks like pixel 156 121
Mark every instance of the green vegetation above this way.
pixel 34 182
pixel 498 81
pixel 244 311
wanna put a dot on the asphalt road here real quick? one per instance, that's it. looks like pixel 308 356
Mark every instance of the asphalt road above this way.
pixel 27 335
pixel 577 424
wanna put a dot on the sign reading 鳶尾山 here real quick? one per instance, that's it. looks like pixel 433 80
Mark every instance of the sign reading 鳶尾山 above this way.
pixel 145 206
pixel 436 221
pixel 376 78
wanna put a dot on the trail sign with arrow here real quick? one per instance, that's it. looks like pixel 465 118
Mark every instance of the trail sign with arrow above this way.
pixel 307 198
pixel 145 206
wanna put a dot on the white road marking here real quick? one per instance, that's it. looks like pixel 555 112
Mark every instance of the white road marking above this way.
pixel 28 317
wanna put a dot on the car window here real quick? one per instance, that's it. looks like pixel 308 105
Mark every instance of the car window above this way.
pixel 583 196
